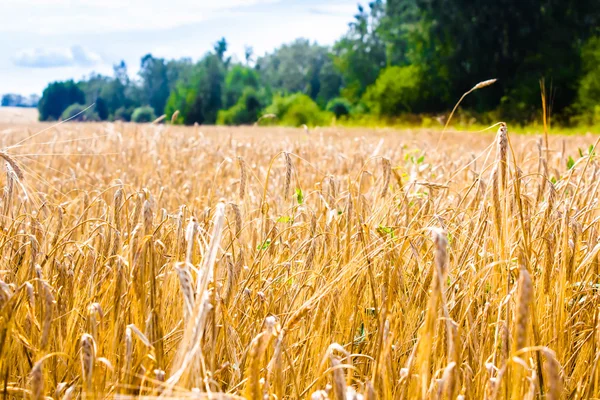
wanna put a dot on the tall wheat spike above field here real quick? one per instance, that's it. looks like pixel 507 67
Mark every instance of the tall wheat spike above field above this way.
pixel 153 260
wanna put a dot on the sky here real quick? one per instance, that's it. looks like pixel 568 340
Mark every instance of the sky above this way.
pixel 47 40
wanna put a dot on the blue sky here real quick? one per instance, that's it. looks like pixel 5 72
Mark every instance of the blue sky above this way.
pixel 46 40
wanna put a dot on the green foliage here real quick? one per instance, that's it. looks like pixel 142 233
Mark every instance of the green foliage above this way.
pixel 588 94
pixel 57 97
pixel 123 114
pixel 330 82
pixel 517 42
pixel 237 79
pixel 246 111
pixel 397 58
pixel 299 196
pixel 386 230
pixel 180 70
pixel 116 92
pixel 570 163
pixel 220 48
pixel 93 86
pixel 184 100
pixel 339 106
pixel 296 110
pixel 143 114
pixel 301 67
pixel 210 88
pixel 200 99
pixel 75 112
pixel 397 90
pixel 155 82
pixel 361 53
pixel 264 245
pixel 101 108
pixel 590 151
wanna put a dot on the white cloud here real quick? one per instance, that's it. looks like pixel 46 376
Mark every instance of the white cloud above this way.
pixel 103 16
pixel 56 57
pixel 127 30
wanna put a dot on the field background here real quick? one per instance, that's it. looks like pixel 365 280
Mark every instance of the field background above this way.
pixel 18 115
pixel 286 263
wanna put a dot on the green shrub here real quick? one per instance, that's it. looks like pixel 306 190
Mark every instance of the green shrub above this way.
pixel 296 110
pixel 123 114
pixel 397 90
pixel 246 111
pixel 143 114
pixel 339 106
pixel 359 109
pixel 75 109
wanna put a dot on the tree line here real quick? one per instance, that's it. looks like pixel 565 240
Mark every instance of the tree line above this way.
pixel 398 58
pixel 17 100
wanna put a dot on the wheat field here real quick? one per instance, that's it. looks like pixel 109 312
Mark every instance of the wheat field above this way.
pixel 271 263
pixel 18 115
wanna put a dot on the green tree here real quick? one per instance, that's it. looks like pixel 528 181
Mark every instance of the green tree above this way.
pixel 185 100
pixel 519 42
pixel 401 30
pixel 210 88
pixel 237 79
pixel 220 48
pixel 294 67
pixel 200 99
pixel 9 100
pixel 16 100
pixel 330 82
pixel 57 97
pixel 155 82
pixel 588 95
pixel 179 71
pixel 116 92
pixel 143 114
pixel 361 53
pixel 101 109
pixel 248 54
pixel 92 86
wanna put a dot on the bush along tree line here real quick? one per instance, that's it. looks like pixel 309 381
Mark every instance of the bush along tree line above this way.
pixel 398 58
